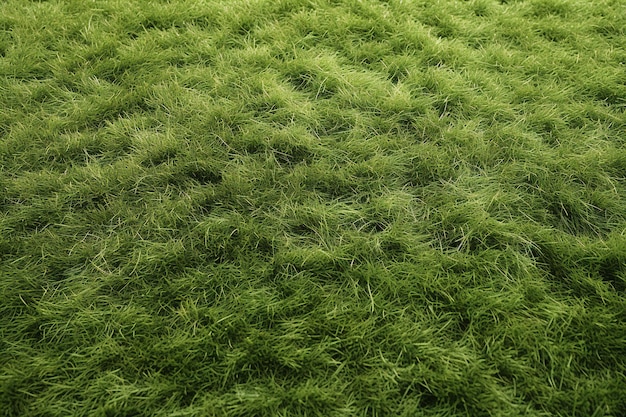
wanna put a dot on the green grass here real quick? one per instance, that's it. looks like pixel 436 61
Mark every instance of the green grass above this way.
pixel 313 208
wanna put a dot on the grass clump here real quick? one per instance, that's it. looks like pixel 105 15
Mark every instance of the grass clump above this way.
pixel 312 208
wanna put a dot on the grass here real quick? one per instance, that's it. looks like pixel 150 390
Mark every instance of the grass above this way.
pixel 313 208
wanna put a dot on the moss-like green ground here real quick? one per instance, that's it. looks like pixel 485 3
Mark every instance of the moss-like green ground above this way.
pixel 312 208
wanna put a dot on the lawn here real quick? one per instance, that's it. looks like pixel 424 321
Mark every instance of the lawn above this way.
pixel 312 208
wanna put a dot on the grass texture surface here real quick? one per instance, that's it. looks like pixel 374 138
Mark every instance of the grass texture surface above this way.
pixel 312 208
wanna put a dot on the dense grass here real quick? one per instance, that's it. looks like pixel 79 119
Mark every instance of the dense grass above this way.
pixel 312 208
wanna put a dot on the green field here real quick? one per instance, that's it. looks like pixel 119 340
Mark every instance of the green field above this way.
pixel 312 208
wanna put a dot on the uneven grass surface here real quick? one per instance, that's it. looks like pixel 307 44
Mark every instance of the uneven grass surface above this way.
pixel 312 208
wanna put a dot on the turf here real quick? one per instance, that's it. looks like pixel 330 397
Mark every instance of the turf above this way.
pixel 312 208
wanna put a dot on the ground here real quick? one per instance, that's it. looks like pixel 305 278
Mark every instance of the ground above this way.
pixel 312 208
